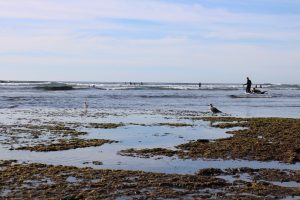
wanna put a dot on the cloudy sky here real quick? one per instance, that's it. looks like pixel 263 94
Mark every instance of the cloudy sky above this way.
pixel 150 40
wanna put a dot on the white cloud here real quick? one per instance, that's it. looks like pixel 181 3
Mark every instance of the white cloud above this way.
pixel 57 24
pixel 77 14
pixel 130 9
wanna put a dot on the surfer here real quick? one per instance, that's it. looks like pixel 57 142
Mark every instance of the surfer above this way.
pixel 200 85
pixel 248 85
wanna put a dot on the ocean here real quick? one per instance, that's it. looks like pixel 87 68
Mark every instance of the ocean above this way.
pixel 283 99
pixel 141 107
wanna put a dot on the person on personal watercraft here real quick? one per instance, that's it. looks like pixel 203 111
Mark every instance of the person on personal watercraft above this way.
pixel 248 87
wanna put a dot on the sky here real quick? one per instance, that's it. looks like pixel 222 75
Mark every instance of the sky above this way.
pixel 150 40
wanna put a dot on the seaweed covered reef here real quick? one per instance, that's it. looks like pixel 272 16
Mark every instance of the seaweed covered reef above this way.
pixel 262 139
pixel 66 144
pixel 42 181
pixel 51 136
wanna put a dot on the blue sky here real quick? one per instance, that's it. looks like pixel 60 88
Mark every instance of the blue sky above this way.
pixel 150 40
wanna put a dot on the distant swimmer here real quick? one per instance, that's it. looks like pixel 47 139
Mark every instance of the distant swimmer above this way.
pixel 213 109
pixel 248 85
pixel 200 85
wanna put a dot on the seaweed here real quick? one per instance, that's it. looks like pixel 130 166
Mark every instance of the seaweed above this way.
pixel 175 124
pixel 40 181
pixel 105 125
pixel 66 144
pixel 265 139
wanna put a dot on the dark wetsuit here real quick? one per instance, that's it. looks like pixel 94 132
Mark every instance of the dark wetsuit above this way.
pixel 248 88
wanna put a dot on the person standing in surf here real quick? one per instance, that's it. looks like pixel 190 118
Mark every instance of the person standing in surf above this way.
pixel 248 85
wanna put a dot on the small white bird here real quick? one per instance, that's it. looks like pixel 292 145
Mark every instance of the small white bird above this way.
pixel 213 109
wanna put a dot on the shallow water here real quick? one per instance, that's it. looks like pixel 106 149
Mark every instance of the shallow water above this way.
pixel 140 110
pixel 146 135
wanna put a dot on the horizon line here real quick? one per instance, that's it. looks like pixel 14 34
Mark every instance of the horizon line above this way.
pixel 3 81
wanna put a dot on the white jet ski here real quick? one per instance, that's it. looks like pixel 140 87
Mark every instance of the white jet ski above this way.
pixel 252 95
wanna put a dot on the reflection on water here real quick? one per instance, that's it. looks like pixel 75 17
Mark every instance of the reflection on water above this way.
pixel 141 108
pixel 140 131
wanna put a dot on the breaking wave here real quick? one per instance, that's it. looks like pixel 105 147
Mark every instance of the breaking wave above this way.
pixel 54 86
pixel 285 86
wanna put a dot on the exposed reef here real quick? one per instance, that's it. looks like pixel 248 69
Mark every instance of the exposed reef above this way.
pixel 66 144
pixel 39 181
pixel 262 139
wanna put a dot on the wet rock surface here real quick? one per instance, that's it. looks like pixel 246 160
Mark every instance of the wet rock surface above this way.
pixel 39 181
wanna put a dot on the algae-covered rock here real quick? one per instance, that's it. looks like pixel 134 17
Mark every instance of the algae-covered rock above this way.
pixel 264 139
pixel 40 181
pixel 105 125
pixel 175 124
pixel 67 144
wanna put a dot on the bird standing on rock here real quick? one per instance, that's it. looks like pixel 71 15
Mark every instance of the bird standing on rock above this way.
pixel 213 109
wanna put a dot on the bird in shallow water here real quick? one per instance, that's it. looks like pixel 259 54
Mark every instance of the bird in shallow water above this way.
pixel 85 106
pixel 213 109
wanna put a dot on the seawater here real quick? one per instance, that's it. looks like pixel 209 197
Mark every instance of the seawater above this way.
pixel 285 101
pixel 136 103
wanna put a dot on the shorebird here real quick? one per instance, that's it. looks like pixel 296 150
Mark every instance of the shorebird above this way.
pixel 213 109
pixel 86 106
